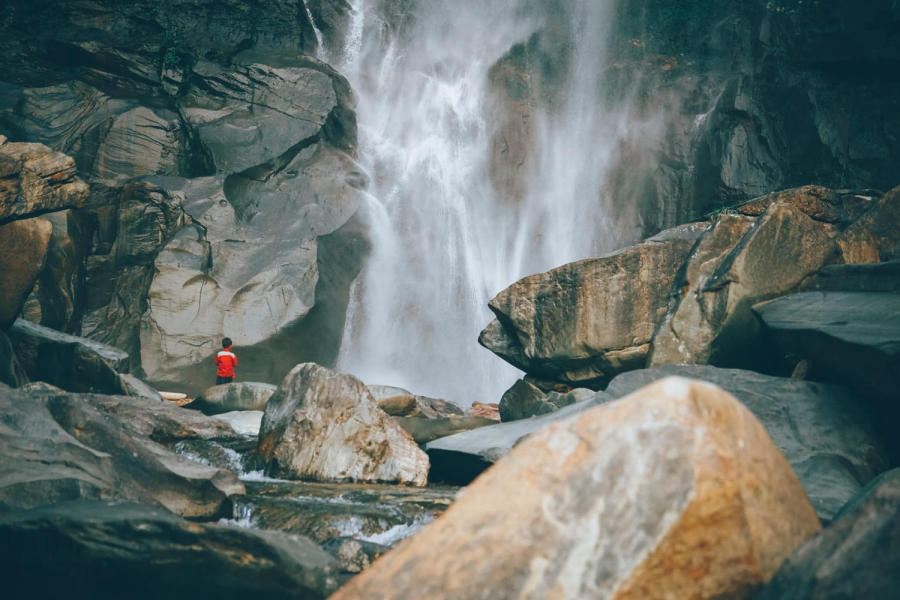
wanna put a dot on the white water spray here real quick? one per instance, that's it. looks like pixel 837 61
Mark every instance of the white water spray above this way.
pixel 443 242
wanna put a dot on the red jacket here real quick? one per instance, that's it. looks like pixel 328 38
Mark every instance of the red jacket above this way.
pixel 226 361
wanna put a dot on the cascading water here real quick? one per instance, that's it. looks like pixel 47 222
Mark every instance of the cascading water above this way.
pixel 444 239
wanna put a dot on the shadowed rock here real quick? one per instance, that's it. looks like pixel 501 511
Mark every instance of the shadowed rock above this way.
pixel 855 557
pixel 675 491
pixel 23 249
pixel 103 548
pixel 242 395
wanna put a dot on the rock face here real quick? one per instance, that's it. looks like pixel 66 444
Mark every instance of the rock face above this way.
pixel 23 248
pixel 873 238
pixel 325 426
pixel 856 557
pixel 243 395
pixel 223 156
pixel 586 321
pixel 34 179
pixel 67 361
pixel 154 554
pixel 826 433
pixel 663 478
pixel 851 336
pixel 60 446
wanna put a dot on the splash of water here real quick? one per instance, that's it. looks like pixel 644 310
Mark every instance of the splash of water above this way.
pixel 445 240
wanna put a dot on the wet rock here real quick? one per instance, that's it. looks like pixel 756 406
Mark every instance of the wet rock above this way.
pixel 854 337
pixel 35 179
pixel 685 494
pixel 243 395
pixel 586 321
pixel 23 249
pixel 459 458
pixel 325 426
pixel 107 547
pixel 855 557
pixel 868 277
pixel 70 362
pixel 59 446
pixel 829 437
pixel 398 402
pixel 354 556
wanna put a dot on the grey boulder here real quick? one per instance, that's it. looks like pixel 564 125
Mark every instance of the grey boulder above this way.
pixel 243 395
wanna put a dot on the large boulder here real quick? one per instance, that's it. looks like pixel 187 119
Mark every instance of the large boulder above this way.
pixel 851 336
pixel 586 321
pixel 524 399
pixel 855 557
pixel 35 179
pixel 398 402
pixel 326 426
pixel 673 492
pixel 111 548
pixel 873 238
pixel 242 395
pixel 711 320
pixel 70 362
pixel 59 446
pixel 23 250
pixel 424 430
pixel 459 458
pixel 827 435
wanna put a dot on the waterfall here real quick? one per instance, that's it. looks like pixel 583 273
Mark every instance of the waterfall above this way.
pixel 445 241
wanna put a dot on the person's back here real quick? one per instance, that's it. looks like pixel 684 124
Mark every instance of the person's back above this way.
pixel 226 361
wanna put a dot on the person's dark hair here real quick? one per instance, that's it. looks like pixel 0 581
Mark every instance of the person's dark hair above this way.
pixel 226 342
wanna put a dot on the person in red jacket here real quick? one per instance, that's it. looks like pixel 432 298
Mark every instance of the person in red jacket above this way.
pixel 226 361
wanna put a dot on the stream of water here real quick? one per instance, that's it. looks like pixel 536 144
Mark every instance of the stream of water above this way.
pixel 445 240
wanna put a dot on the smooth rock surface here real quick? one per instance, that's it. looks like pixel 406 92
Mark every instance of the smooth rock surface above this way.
pixel 398 402
pixel 23 250
pixel 244 422
pixel 424 429
pixel 673 492
pixel 829 437
pixel 242 395
pixel 873 238
pixel 524 400
pixel 855 557
pixel 59 446
pixel 586 321
pixel 459 458
pixel 854 337
pixel 104 547
pixel 325 426
pixel 70 362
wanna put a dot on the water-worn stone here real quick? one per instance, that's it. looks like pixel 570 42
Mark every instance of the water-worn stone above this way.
pixel 586 321
pixel 828 436
pixel 855 557
pixel 59 446
pixel 459 458
pixel 242 395
pixel 424 429
pixel 105 547
pixel 35 179
pixel 326 426
pixel 853 337
pixel 819 203
pixel 244 422
pixel 398 402
pixel 673 492
pixel 486 410
pixel 23 249
pixel 70 362
pixel 524 400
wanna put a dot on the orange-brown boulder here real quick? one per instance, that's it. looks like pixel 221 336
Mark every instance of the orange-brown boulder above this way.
pixel 675 491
